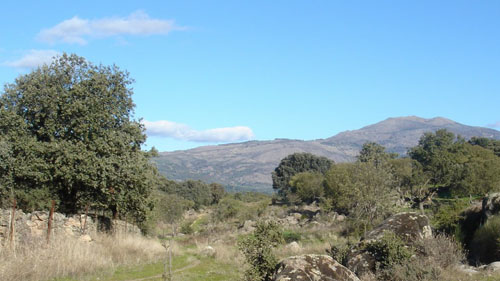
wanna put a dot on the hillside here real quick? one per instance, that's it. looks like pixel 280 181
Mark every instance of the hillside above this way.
pixel 248 165
pixel 399 134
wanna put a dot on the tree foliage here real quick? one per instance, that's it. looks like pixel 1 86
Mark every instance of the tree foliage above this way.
pixel 308 186
pixel 435 151
pixel 491 144
pixel 257 249
pixel 200 193
pixel 464 168
pixel 71 137
pixel 297 163
pixel 374 152
pixel 169 208
pixel 364 191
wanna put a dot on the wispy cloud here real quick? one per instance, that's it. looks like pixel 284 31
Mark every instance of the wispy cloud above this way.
pixel 78 30
pixel 495 125
pixel 179 131
pixel 34 58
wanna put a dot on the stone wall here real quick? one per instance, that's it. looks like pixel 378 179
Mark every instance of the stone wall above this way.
pixel 33 226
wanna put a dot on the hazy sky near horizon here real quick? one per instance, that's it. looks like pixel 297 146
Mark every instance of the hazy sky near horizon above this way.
pixel 211 72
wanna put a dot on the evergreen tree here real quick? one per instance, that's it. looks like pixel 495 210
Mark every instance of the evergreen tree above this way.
pixel 72 137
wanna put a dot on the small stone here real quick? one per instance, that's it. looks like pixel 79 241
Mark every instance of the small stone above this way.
pixel 340 218
pixel 208 251
pixel 85 238
pixel 294 247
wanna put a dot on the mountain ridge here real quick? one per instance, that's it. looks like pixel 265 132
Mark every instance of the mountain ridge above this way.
pixel 248 165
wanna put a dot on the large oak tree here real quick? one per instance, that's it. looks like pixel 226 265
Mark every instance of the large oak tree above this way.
pixel 70 134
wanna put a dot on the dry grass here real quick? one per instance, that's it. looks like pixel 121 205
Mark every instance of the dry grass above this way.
pixel 70 257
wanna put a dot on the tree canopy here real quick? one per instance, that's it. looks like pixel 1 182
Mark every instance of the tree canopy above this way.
pixel 374 152
pixel 70 135
pixel 465 168
pixel 297 163
pixel 491 144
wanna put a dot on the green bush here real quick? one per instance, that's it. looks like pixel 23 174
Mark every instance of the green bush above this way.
pixel 291 236
pixel 448 217
pixel 186 228
pixel 389 250
pixel 364 191
pixel 227 208
pixel 257 248
pixel 339 251
pixel 485 246
pixel 308 186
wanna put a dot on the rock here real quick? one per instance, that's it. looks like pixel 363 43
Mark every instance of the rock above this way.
pixel 361 262
pixel 33 226
pixel 291 220
pixel 340 218
pixel 309 211
pixel 491 205
pixel 314 223
pixel 409 226
pixel 208 251
pixel 294 247
pixel 470 220
pixel 313 268
pixel 469 270
pixel 494 266
pixel 248 226
pixel 85 238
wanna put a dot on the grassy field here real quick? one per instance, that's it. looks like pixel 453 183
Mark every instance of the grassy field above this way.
pixel 188 264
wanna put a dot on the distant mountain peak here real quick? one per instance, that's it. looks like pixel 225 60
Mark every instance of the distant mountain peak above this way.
pixel 249 164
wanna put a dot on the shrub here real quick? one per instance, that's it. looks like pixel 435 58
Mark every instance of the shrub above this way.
pixel 257 248
pixel 389 250
pixel 290 236
pixel 447 219
pixel 416 270
pixel 227 208
pixel 485 246
pixel 339 251
pixel 364 191
pixel 186 228
pixel 308 186
pixel 435 256
pixel 444 250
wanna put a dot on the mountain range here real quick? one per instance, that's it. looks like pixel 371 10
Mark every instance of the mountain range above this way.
pixel 248 165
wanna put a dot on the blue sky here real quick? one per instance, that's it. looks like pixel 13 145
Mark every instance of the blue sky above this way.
pixel 222 71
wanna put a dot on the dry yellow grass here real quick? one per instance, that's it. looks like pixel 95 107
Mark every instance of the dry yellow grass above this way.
pixel 70 257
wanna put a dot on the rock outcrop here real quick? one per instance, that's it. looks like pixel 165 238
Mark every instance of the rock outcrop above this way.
pixel 470 220
pixel 491 205
pixel 313 268
pixel 408 226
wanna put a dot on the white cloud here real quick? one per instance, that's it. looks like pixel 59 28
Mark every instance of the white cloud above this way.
pixel 77 30
pixel 495 125
pixel 179 131
pixel 34 58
